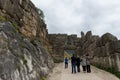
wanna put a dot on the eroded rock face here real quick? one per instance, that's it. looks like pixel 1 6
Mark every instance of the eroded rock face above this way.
pixel 25 15
pixel 23 42
pixel 107 38
pixel 21 58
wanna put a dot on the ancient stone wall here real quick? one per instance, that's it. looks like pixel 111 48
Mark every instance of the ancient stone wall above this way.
pixel 104 50
pixel 23 42
pixel 57 43
pixel 26 16
pixel 61 42
pixel 21 58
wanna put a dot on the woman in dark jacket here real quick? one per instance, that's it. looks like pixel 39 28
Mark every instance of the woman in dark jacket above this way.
pixel 78 63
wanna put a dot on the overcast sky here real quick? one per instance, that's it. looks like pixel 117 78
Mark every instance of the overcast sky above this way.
pixel 74 16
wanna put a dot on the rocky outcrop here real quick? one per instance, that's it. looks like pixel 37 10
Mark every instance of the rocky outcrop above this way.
pixel 25 15
pixel 24 42
pixel 103 50
pixel 20 58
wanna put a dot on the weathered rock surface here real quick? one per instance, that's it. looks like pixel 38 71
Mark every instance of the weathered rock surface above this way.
pixel 25 15
pixel 21 58
pixel 61 42
pixel 23 42
pixel 104 50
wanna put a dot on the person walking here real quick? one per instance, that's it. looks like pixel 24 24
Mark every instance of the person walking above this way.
pixel 66 62
pixel 78 63
pixel 73 63
pixel 83 63
pixel 88 65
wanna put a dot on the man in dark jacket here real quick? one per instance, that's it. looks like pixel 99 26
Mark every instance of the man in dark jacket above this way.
pixel 73 63
pixel 78 63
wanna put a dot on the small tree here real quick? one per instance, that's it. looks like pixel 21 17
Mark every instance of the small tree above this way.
pixel 41 14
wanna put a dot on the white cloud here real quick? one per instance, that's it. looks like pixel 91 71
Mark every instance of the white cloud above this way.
pixel 74 16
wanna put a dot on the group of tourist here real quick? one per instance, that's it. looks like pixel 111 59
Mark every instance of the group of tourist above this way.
pixel 76 61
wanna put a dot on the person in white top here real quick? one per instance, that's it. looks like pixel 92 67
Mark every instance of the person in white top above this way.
pixel 83 63
pixel 88 64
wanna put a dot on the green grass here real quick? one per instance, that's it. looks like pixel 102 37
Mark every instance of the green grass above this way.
pixel 110 69
pixel 2 18
pixel 43 78
pixel 15 26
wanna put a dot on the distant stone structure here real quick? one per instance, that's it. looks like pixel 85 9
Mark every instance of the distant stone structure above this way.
pixel 61 42
pixel 104 51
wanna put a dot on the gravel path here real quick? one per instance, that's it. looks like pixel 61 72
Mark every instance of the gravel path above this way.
pixel 60 73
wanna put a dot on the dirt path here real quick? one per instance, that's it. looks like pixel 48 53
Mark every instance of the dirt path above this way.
pixel 60 73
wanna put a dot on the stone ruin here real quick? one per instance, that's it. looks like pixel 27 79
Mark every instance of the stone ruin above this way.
pixel 61 42
pixel 104 50
pixel 26 44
